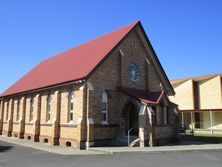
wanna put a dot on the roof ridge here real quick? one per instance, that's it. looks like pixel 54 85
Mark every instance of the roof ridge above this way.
pixel 93 39
pixel 198 76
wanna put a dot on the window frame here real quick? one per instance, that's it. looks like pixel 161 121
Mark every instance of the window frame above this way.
pixel 71 97
pixel 31 110
pixel 7 111
pixel 105 101
pixel 18 110
pixel 48 108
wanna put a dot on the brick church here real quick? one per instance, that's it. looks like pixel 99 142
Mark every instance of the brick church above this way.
pixel 95 94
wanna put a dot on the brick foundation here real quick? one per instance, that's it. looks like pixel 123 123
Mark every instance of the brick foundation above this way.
pixel 67 142
pixel 18 135
pixel 48 139
pixel 7 133
pixel 31 137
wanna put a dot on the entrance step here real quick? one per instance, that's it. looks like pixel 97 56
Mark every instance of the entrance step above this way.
pixel 123 140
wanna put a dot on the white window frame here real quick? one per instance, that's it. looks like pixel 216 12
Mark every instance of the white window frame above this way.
pixel 105 100
pixel 31 112
pixel 7 112
pixel 71 97
pixel 18 111
pixel 48 106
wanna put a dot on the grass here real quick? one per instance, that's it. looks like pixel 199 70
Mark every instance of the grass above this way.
pixel 205 138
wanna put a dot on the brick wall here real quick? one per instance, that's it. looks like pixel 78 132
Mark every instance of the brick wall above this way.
pixel 114 72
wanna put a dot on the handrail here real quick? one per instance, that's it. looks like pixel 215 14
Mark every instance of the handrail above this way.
pixel 129 136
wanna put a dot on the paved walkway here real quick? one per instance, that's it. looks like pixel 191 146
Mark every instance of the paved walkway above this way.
pixel 183 147
pixel 46 147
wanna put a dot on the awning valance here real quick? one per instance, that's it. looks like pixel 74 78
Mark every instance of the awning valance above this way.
pixel 147 97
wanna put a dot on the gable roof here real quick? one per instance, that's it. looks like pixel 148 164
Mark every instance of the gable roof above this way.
pixel 79 62
pixel 169 88
pixel 175 82
pixel 74 64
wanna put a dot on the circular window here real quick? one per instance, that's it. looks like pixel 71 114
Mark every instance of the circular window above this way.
pixel 133 72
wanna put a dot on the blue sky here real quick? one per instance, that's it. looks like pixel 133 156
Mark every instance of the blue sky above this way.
pixel 186 34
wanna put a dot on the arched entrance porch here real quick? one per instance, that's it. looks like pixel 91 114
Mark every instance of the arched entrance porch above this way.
pixel 131 118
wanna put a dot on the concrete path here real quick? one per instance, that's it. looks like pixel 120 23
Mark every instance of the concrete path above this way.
pixel 182 147
pixel 52 149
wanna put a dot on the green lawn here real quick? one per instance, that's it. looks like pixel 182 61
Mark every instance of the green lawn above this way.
pixel 205 138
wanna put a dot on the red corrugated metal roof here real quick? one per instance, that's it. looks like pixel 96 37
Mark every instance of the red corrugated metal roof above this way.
pixel 150 98
pixel 74 64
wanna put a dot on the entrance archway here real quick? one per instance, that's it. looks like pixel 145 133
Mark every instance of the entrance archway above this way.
pixel 130 113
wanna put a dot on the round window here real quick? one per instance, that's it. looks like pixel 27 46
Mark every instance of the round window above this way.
pixel 133 72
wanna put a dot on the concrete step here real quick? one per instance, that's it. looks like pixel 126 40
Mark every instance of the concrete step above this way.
pixel 123 140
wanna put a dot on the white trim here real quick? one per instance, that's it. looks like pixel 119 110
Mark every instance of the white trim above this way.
pixel 175 111
pixel 82 87
pixel 121 52
pixel 90 121
pixel 211 122
pixel 49 121
pixel 182 115
pixel 142 110
pixel 89 86
pixel 105 123
pixel 71 122
pixel 150 111
pixel 79 121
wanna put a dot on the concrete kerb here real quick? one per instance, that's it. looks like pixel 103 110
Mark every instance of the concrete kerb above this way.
pixel 163 149
pixel 112 150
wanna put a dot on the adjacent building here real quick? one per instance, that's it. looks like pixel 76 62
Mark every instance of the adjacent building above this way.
pixel 94 94
pixel 200 103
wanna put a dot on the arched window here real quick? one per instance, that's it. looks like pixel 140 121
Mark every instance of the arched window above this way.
pixel 7 111
pixel 18 110
pixel 48 107
pixel 71 106
pixel 104 107
pixel 31 109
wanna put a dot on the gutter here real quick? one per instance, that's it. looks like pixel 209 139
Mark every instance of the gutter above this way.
pixel 44 88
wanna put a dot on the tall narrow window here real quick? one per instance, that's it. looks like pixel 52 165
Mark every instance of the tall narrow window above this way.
pixel 7 110
pixel 162 114
pixel 31 109
pixel 104 108
pixel 168 115
pixel 155 115
pixel 18 110
pixel 71 106
pixel 48 108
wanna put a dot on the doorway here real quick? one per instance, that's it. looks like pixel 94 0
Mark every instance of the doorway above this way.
pixel 131 118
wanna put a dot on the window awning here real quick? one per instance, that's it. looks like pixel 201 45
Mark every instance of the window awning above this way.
pixel 147 97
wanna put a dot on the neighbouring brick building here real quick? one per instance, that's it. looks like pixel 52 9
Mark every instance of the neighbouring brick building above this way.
pixel 200 103
pixel 93 95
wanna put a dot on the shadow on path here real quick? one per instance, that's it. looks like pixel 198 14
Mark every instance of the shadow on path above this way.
pixel 5 148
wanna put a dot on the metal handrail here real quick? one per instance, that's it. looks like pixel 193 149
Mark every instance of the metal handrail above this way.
pixel 129 136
